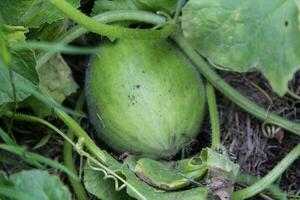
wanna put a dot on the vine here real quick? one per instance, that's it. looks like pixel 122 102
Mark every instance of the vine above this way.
pixel 68 157
pixel 275 173
pixel 108 30
pixel 214 119
pixel 231 93
pixel 83 141
pixel 107 17
pixel 204 68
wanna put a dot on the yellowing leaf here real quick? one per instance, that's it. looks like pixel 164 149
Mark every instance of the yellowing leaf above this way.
pixel 56 79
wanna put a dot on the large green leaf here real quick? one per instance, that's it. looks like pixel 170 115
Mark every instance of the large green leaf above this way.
pixel 152 5
pixel 146 191
pixel 23 62
pixel 23 73
pixel 17 67
pixel 30 13
pixel 40 185
pixel 243 35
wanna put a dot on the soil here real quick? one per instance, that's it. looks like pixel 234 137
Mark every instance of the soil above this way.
pixel 243 135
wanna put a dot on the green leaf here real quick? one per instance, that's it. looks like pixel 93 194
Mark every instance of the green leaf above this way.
pixel 30 13
pixel 40 185
pixel 154 5
pixel 11 193
pixel 23 73
pixel 151 5
pixel 214 159
pixel 146 192
pixel 169 175
pixel 3 178
pixel 49 32
pixel 23 62
pixel 106 5
pixel 102 188
pixel 245 35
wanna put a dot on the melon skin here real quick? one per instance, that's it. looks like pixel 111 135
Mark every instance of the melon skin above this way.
pixel 144 97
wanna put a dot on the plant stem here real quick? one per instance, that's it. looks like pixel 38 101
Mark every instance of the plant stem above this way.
pixel 180 4
pixel 214 118
pixel 203 67
pixel 274 190
pixel 294 95
pixel 29 118
pixel 108 30
pixel 68 158
pixel 107 17
pixel 53 47
pixel 236 97
pixel 263 183
pixel 93 148
pixel 80 133
pixel 100 159
pixel 36 159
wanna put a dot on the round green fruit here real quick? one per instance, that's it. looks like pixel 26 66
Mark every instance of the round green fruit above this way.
pixel 144 97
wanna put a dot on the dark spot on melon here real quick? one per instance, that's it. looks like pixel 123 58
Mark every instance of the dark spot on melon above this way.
pixel 286 23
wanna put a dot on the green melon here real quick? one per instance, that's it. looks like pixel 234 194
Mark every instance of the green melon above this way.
pixel 144 97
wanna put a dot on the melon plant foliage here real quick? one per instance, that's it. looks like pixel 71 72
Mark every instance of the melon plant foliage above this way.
pixel 247 35
pixel 145 98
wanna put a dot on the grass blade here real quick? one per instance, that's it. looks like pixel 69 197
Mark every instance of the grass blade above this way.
pixel 20 151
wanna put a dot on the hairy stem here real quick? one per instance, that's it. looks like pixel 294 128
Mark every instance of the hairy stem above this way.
pixel 108 30
pixel 107 17
pixel 214 118
pixel 263 183
pixel 69 161
pixel 80 133
pixel 235 96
